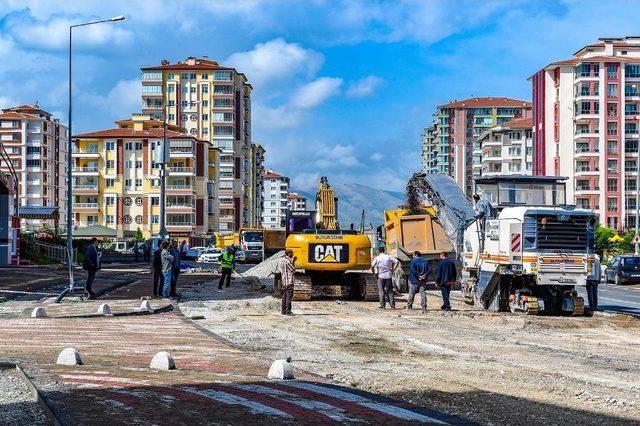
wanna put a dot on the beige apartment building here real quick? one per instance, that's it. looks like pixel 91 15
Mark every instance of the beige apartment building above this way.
pixel 505 149
pixel 117 179
pixel 211 102
pixel 36 145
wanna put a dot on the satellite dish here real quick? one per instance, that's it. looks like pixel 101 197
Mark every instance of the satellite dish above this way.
pixel 164 62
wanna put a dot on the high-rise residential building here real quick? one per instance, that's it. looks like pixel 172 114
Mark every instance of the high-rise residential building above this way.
pixel 117 180
pixel 276 189
pixel 36 144
pixel 586 125
pixel 296 202
pixel 256 184
pixel 429 153
pixel 505 149
pixel 457 126
pixel 211 102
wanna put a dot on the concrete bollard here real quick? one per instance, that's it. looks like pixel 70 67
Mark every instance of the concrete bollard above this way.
pixel 145 306
pixel 38 312
pixel 69 356
pixel 104 309
pixel 162 361
pixel 280 370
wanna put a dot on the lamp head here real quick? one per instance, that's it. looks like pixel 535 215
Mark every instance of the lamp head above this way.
pixel 118 18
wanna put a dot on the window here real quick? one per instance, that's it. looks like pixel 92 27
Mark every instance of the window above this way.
pixel 630 185
pixel 630 128
pixel 110 182
pixel 612 204
pixel 223 130
pixel 612 166
pixel 205 131
pixel 171 76
pixel 192 76
pixel 192 132
pixel 192 89
pixel 110 164
pixel 222 103
pixel 223 90
pixel 631 146
pixel 630 91
pixel 612 147
pixel 630 166
pixel 612 110
pixel 632 71
pixel 630 203
pixel 138 183
pixel 612 71
pixel 155 201
pixel 222 75
pixel 110 218
pixel 172 117
pixel 612 90
pixel 33 163
pixel 138 145
pixel 205 117
pixel 109 201
pixel 205 103
pixel 171 103
pixel 184 75
pixel 184 117
pixel 630 109
pixel 205 89
pixel 155 218
pixel 33 150
pixel 128 164
pixel 127 183
pixel 128 146
pixel 194 117
pixel 515 135
pixel 183 90
pixel 171 89
pixel 152 89
pixel 138 164
pixel 612 129
pixel 612 184
pixel 205 76
pixel 110 146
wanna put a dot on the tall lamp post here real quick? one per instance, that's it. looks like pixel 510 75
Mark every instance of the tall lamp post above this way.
pixel 635 89
pixel 69 156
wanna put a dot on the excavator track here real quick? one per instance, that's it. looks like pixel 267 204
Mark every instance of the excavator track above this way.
pixel 302 287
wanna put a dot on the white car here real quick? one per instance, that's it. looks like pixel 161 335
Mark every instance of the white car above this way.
pixel 210 255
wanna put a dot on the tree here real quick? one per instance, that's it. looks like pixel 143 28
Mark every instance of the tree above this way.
pixel 139 237
pixel 602 235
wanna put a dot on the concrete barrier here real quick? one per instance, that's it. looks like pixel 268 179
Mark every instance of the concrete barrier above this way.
pixel 145 306
pixel 38 313
pixel 280 370
pixel 104 309
pixel 69 356
pixel 162 361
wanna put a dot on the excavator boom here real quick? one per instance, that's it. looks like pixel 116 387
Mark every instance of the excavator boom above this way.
pixel 326 205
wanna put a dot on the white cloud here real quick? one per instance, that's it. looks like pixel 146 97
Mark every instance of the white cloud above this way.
pixel 280 117
pixel 376 156
pixel 276 61
pixel 336 156
pixel 53 33
pixel 364 87
pixel 124 98
pixel 6 102
pixel 316 92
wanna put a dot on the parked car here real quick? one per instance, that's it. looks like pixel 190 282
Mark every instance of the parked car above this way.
pixel 240 256
pixel 624 269
pixel 193 253
pixel 210 255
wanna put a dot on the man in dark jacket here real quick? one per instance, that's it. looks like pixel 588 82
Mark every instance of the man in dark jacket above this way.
pixel 158 278
pixel 175 269
pixel 419 270
pixel 91 265
pixel 445 278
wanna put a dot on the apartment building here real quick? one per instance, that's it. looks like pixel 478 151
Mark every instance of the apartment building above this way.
pixel 256 184
pixel 456 128
pixel 212 102
pixel 429 151
pixel 116 180
pixel 276 190
pixel 505 149
pixel 36 144
pixel 296 202
pixel 586 126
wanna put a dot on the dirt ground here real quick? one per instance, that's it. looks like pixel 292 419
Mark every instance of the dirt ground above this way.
pixel 490 368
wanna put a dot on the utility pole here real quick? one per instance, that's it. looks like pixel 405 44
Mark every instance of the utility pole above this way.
pixel 163 173
pixel 635 237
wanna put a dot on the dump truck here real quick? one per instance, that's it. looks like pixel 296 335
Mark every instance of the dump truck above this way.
pixel 273 241
pixel 528 254
pixel 405 234
pixel 248 239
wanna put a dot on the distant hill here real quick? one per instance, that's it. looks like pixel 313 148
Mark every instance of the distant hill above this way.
pixel 353 198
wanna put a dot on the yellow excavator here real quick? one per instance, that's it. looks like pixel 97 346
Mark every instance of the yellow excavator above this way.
pixel 327 255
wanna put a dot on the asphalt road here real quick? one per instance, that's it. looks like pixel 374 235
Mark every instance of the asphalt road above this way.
pixel 613 298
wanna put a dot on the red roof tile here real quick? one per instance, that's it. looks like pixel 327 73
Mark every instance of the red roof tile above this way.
pixel 18 116
pixel 487 102
pixel 270 174
pixel 200 64
pixel 575 61
pixel 294 196
pixel 126 133
pixel 518 123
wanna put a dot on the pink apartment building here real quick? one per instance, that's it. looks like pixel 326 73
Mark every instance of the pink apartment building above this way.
pixel 585 126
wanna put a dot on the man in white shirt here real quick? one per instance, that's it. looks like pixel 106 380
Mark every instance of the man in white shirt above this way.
pixel 383 266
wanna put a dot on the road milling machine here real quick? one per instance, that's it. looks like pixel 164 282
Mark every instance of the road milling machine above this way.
pixel 529 254
pixel 326 254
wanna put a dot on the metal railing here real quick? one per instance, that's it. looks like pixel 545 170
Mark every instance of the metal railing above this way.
pixel 181 170
pixel 85 169
pixel 55 252
pixel 86 205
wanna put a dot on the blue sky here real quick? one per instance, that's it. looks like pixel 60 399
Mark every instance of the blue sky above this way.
pixel 342 88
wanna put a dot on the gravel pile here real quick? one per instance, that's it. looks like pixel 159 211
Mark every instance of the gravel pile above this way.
pixel 199 270
pixel 18 407
pixel 265 268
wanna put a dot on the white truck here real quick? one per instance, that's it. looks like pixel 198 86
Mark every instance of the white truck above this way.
pixel 530 254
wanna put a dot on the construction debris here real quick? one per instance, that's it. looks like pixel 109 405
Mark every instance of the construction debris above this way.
pixel 162 361
pixel 69 356
pixel 265 268
pixel 104 309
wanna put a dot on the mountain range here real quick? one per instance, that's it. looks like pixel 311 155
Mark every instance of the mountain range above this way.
pixel 354 197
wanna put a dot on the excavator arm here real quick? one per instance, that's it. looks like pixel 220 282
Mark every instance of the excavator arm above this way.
pixel 326 206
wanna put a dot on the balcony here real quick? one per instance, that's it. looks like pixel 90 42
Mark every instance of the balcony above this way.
pixel 177 226
pixel 180 207
pixel 587 171
pixel 586 190
pixel 226 218
pixel 85 171
pixel 85 207
pixel 85 152
pixel 181 152
pixel 180 189
pixel 85 189
pixel 181 171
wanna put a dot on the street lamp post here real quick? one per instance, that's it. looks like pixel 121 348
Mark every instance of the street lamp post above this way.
pixel 163 176
pixel 636 246
pixel 69 156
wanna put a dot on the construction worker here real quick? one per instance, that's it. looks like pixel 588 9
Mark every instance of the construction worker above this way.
pixel 593 280
pixel 227 261
pixel 446 278
pixel 167 266
pixel 383 266
pixel 286 268
pixel 419 271
pixel 482 207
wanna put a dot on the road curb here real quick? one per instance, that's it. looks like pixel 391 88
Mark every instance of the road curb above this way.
pixel 48 411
